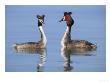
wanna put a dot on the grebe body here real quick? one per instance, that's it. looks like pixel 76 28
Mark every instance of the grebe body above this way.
pixel 35 45
pixel 67 41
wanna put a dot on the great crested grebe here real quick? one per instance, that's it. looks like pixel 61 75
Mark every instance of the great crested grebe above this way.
pixel 66 40
pixel 35 45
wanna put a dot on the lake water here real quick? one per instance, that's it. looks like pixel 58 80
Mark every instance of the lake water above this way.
pixel 21 26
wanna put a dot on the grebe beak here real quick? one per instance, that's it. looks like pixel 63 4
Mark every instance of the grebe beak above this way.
pixel 63 19
pixel 60 20
pixel 41 21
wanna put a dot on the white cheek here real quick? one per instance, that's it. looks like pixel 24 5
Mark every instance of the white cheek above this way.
pixel 41 20
pixel 63 18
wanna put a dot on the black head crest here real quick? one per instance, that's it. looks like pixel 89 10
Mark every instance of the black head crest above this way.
pixel 43 16
pixel 40 17
pixel 37 16
pixel 70 13
pixel 67 13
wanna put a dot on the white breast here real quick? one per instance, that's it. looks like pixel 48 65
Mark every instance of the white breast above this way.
pixel 64 37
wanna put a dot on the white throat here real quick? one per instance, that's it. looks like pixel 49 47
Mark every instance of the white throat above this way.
pixel 43 35
pixel 65 37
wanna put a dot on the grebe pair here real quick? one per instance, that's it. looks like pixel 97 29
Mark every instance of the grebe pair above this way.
pixel 66 40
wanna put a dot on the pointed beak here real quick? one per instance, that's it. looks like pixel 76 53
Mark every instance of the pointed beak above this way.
pixel 62 19
pixel 42 21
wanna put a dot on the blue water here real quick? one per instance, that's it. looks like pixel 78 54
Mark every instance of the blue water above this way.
pixel 21 26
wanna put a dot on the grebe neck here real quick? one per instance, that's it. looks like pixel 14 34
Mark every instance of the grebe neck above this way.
pixel 43 36
pixel 66 37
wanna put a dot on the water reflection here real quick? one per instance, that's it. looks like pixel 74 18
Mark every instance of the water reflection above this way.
pixel 42 56
pixel 68 52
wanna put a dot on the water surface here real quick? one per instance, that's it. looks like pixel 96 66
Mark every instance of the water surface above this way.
pixel 21 26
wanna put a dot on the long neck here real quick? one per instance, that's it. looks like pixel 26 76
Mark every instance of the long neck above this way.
pixel 43 36
pixel 66 37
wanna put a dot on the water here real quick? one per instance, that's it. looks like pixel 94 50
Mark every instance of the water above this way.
pixel 21 26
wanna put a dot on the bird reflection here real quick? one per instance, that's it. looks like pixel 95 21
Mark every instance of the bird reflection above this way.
pixel 42 56
pixel 68 52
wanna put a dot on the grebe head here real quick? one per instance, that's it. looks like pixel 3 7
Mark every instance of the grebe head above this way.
pixel 40 20
pixel 67 17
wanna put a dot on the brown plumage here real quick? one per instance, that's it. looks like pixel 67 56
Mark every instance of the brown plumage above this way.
pixel 35 45
pixel 66 40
